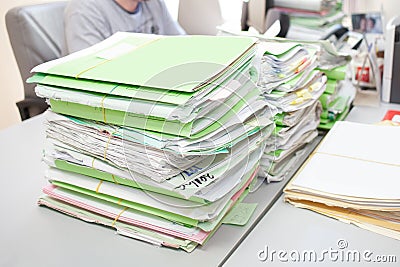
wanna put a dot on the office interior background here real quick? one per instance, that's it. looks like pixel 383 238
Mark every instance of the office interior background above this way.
pixel 11 83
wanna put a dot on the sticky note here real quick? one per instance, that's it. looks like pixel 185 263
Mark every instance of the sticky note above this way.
pixel 240 214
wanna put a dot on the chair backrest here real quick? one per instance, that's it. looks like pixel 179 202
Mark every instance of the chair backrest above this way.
pixel 36 34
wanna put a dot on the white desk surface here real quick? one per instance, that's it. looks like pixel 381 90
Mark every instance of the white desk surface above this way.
pixel 365 114
pixel 287 228
pixel 37 236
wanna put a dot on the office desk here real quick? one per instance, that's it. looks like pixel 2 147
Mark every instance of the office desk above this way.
pixel 37 236
pixel 287 228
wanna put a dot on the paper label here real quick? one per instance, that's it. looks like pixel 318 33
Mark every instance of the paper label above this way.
pixel 240 214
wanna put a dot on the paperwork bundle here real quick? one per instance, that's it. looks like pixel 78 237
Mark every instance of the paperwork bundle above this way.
pixel 159 145
pixel 336 99
pixel 291 83
pixel 294 93
pixel 317 6
pixel 361 186
pixel 312 20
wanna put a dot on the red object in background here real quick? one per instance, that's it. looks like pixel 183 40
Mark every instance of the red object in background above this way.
pixel 390 114
pixel 362 74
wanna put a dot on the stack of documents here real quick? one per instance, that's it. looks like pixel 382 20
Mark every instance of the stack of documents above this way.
pixel 353 176
pixel 317 6
pixel 312 20
pixel 336 100
pixel 295 94
pixel 290 82
pixel 161 146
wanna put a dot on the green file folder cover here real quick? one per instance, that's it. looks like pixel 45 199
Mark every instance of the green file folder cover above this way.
pixel 181 219
pixel 180 63
pixel 71 210
pixel 99 219
pixel 64 165
pixel 338 73
pixel 140 92
pixel 327 124
pixel 331 86
pixel 143 122
pixel 207 226
pixel 325 100
pixel 134 91
pixel 136 206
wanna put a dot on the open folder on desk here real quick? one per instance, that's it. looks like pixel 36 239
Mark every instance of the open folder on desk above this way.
pixel 353 176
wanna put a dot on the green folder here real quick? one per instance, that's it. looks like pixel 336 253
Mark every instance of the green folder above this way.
pixel 338 73
pixel 155 124
pixel 179 63
pixel 327 125
pixel 133 205
pixel 71 167
pixel 133 91
pixel 108 88
pixel 331 86
pixel 69 209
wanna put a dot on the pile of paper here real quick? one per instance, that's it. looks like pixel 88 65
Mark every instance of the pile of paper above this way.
pixel 317 20
pixel 290 82
pixel 336 100
pixel 353 176
pixel 311 20
pixel 318 6
pixel 159 145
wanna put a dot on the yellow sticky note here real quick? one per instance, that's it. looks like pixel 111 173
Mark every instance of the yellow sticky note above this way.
pixel 307 95
pixel 300 93
pixel 314 86
pixel 297 101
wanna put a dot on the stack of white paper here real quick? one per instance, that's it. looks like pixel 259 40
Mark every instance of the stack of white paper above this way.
pixel 353 176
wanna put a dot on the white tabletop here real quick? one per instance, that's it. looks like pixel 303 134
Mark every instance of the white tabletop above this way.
pixel 35 236
pixel 367 114
pixel 295 230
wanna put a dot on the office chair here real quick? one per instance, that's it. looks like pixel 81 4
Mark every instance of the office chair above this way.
pixel 36 34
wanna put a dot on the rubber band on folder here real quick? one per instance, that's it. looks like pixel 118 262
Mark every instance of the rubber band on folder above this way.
pixel 106 147
pixel 113 177
pixel 98 186
pixel 119 215
pixel 103 110
pixel 102 103
pixel 90 68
